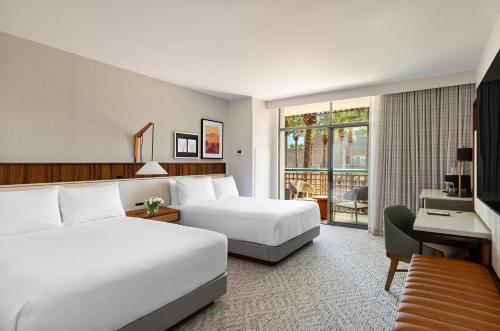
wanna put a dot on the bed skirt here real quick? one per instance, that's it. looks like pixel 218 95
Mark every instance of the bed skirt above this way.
pixel 272 254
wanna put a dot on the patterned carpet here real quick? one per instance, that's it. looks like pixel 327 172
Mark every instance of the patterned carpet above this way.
pixel 334 283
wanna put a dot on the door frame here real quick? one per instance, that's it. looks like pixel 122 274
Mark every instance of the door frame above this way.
pixel 330 171
pixel 330 128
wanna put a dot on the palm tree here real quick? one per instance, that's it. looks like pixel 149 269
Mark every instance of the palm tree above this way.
pixel 309 120
pixel 341 134
pixel 351 137
pixel 291 122
pixel 342 116
pixel 325 141
pixel 296 136
pixel 323 119
pixel 349 116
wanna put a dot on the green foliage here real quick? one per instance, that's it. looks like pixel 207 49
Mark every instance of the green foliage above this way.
pixel 299 146
pixel 326 118
pixel 294 121
pixel 350 115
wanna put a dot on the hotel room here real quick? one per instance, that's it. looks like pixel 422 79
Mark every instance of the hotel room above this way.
pixel 258 165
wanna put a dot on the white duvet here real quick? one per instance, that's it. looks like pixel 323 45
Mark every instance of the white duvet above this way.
pixel 102 275
pixel 257 220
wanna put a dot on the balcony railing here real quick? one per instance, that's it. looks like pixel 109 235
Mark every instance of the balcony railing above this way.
pixel 344 180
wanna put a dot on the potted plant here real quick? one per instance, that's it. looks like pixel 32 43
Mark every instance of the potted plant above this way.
pixel 153 205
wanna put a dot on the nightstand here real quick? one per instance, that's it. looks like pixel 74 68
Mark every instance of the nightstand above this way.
pixel 163 215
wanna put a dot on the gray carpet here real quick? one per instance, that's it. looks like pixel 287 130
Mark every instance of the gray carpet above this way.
pixel 337 282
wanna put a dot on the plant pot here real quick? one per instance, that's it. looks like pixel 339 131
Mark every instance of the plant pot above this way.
pixel 153 209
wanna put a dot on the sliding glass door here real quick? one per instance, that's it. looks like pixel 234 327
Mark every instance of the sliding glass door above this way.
pixel 348 175
pixel 324 158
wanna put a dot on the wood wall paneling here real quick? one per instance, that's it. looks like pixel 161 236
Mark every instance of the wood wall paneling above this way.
pixel 33 173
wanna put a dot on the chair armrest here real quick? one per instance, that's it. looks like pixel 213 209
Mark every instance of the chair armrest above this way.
pixel 400 243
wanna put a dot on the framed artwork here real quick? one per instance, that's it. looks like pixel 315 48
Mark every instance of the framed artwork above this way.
pixel 212 135
pixel 186 145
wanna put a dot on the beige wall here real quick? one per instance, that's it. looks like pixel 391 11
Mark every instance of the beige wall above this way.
pixel 239 137
pixel 252 129
pixel 265 149
pixel 491 218
pixel 59 107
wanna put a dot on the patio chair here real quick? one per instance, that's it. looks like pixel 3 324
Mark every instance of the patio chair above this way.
pixel 352 201
pixel 300 190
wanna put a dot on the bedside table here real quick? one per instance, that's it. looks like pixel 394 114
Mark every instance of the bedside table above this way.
pixel 164 214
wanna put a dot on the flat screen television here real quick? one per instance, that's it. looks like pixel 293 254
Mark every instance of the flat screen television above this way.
pixel 488 137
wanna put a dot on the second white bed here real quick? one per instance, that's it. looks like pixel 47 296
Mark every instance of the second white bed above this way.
pixel 255 220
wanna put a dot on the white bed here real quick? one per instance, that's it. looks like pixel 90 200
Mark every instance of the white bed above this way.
pixel 110 272
pixel 256 220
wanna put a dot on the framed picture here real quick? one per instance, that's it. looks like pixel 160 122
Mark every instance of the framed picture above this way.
pixel 186 145
pixel 212 135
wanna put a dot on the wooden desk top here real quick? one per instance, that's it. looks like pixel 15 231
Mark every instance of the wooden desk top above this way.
pixel 438 195
pixel 465 224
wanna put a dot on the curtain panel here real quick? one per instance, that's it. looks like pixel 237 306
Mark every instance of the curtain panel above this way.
pixel 414 138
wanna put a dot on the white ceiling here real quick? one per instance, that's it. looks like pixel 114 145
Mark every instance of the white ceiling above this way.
pixel 264 48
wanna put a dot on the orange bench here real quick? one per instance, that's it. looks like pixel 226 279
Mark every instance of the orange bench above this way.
pixel 447 294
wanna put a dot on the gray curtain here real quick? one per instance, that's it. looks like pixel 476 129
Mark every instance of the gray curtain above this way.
pixel 414 138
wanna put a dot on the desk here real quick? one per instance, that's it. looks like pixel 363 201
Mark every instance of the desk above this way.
pixel 435 199
pixel 459 226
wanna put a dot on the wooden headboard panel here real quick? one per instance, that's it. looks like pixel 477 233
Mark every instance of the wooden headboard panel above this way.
pixel 33 173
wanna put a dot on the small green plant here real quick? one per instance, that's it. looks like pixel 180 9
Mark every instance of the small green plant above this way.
pixel 153 205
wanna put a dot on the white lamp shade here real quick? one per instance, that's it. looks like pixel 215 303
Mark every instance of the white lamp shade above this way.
pixel 151 168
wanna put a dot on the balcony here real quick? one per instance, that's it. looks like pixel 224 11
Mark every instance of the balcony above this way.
pixel 344 180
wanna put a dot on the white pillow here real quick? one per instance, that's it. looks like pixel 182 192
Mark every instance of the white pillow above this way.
pixel 194 189
pixel 89 203
pixel 26 211
pixel 225 187
pixel 174 200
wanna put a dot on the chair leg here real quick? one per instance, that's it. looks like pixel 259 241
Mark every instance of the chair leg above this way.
pixel 392 271
pixel 356 213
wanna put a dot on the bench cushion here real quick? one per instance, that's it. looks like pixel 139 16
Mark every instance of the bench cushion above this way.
pixel 448 294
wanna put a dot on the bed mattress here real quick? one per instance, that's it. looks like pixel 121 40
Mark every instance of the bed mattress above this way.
pixel 256 220
pixel 102 275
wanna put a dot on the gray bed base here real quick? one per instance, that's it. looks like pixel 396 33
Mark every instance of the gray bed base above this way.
pixel 272 254
pixel 177 310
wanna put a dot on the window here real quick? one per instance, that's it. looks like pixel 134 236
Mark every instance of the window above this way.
pixel 325 145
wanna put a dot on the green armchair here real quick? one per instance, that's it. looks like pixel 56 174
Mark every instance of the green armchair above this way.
pixel 400 239
pixel 401 242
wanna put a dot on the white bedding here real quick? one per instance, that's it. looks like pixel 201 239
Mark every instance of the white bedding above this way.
pixel 102 275
pixel 257 220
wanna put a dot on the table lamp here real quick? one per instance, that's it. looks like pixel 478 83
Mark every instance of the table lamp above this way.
pixel 151 167
pixel 464 154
